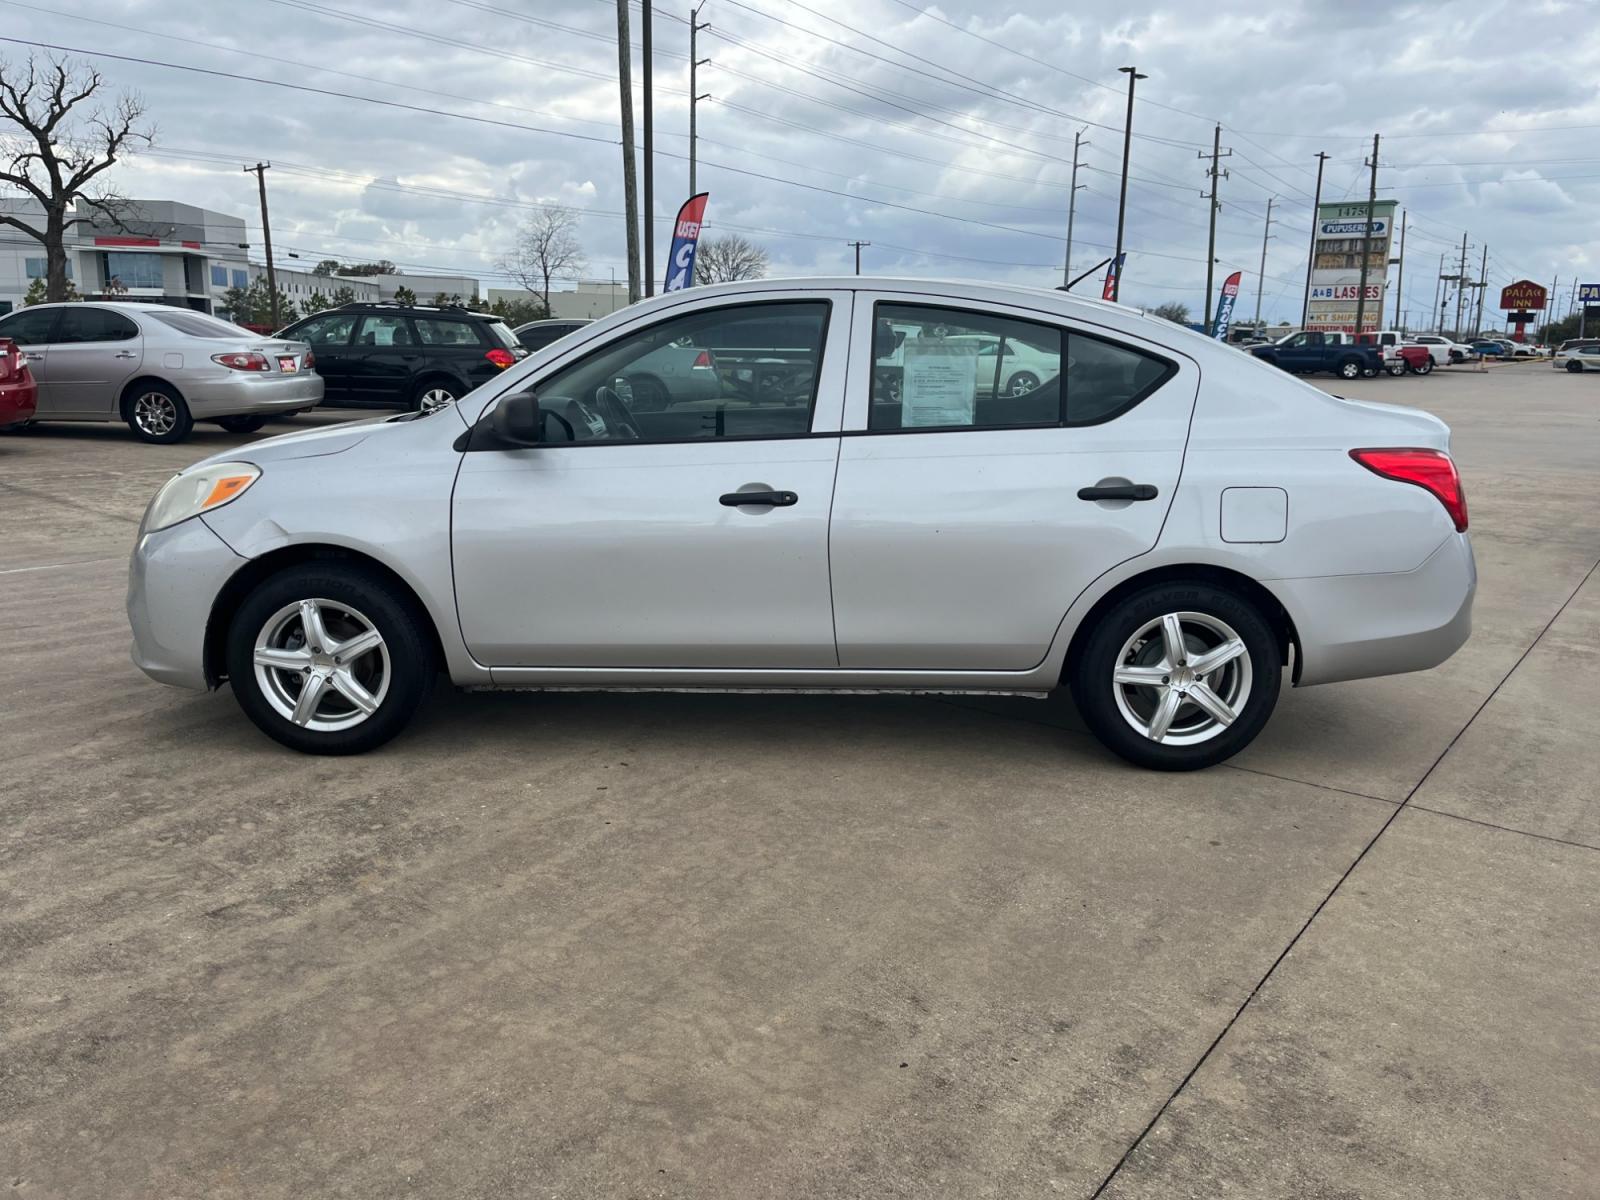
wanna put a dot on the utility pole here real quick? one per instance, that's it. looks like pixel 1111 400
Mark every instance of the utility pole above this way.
pixel 1122 202
pixel 1461 285
pixel 1311 255
pixel 695 26
pixel 1366 242
pixel 1072 205
pixel 260 172
pixel 1211 236
pixel 1437 301
pixel 858 246
pixel 1550 304
pixel 1261 276
pixel 1400 281
pixel 1483 286
pixel 649 152
pixel 630 194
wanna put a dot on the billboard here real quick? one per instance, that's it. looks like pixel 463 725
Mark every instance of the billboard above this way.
pixel 1524 293
pixel 1589 293
pixel 1341 236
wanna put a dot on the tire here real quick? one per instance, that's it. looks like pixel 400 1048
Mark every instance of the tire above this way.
pixel 1349 368
pixel 1425 368
pixel 430 395
pixel 157 414
pixel 393 675
pixel 1397 368
pixel 242 424
pixel 1022 383
pixel 1574 365
pixel 1129 638
pixel 649 394
pixel 1369 372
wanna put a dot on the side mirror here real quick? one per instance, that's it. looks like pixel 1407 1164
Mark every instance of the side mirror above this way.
pixel 518 421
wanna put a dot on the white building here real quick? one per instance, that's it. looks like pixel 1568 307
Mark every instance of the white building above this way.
pixel 590 298
pixel 179 254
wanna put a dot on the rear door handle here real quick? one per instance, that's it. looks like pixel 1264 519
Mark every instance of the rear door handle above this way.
pixel 126 354
pixel 775 499
pixel 1120 491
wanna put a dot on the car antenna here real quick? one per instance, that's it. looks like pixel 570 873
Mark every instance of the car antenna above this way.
pixel 1067 287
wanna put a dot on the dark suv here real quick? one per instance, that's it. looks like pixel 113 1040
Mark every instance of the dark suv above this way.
pixel 407 356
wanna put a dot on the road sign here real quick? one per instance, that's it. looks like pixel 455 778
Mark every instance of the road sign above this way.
pixel 1523 294
pixel 1589 292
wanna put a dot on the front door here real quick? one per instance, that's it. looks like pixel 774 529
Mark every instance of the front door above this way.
pixel 92 355
pixel 962 528
pixel 1301 352
pixel 621 541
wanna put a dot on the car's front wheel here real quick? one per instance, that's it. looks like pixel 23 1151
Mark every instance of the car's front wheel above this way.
pixel 329 658
pixel 1178 676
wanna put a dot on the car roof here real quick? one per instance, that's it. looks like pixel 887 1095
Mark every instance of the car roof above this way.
pixel 544 321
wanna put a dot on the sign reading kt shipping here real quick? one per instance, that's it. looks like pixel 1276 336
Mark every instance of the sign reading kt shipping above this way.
pixel 1523 294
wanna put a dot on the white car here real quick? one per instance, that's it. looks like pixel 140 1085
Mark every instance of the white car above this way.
pixel 1166 526
pixel 1443 350
pixel 1578 355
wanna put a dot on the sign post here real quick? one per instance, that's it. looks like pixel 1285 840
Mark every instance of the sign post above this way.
pixel 1522 300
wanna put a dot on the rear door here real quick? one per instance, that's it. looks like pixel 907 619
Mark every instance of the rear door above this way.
pixel 32 329
pixel 960 532
pixel 385 359
pixel 329 336
pixel 92 355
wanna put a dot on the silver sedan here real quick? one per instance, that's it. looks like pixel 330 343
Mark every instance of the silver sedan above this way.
pixel 1162 525
pixel 159 368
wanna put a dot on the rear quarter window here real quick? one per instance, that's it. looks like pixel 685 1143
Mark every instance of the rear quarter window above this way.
pixel 436 331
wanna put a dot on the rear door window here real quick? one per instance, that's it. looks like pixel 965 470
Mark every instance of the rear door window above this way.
pixel 437 331
pixel 82 323
pixel 377 332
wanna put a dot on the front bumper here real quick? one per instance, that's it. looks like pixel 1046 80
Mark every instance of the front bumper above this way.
pixel 1358 626
pixel 239 393
pixel 173 580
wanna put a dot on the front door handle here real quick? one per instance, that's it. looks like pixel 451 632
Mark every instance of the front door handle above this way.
pixel 775 499
pixel 126 354
pixel 1119 491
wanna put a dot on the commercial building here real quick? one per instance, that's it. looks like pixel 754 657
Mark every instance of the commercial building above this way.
pixel 173 253
pixel 588 299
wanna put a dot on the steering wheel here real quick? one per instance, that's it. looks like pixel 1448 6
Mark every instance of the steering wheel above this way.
pixel 615 413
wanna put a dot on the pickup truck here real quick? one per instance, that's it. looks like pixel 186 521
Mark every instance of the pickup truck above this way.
pixel 1311 351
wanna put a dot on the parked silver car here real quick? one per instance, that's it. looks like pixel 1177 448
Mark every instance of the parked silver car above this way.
pixel 1163 525
pixel 159 368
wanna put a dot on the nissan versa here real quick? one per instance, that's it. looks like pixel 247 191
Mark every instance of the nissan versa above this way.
pixel 1155 520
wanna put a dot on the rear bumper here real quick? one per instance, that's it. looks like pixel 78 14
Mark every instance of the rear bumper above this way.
pixel 238 393
pixel 18 402
pixel 173 579
pixel 1358 626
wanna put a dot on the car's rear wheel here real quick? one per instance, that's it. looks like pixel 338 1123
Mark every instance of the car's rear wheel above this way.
pixel 242 424
pixel 434 394
pixel 157 414
pixel 1022 383
pixel 1424 367
pixel 1349 368
pixel 1574 365
pixel 1397 368
pixel 1178 676
pixel 329 659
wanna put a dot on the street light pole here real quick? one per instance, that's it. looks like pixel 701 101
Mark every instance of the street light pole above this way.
pixel 1400 280
pixel 1122 201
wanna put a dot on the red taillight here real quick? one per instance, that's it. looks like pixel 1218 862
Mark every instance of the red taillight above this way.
pixel 243 361
pixel 703 359
pixel 308 362
pixel 10 359
pixel 1429 469
pixel 501 358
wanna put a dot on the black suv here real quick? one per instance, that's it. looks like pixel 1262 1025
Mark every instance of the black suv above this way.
pixel 404 355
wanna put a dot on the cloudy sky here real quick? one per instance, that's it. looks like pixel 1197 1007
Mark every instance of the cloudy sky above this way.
pixel 942 132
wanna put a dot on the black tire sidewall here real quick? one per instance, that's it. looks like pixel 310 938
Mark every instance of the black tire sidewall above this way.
pixel 1092 688
pixel 397 618
pixel 242 423
pixel 180 430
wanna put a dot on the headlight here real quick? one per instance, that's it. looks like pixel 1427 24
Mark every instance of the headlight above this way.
pixel 197 491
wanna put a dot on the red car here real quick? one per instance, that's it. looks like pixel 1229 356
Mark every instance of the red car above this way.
pixel 19 395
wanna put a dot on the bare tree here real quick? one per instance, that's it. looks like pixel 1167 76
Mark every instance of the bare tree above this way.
pixel 1172 310
pixel 59 155
pixel 547 248
pixel 727 258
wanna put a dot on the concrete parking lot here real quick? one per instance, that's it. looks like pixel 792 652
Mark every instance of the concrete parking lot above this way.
pixel 680 946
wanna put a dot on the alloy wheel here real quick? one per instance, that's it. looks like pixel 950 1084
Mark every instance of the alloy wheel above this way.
pixel 1182 678
pixel 1022 383
pixel 155 414
pixel 436 398
pixel 322 665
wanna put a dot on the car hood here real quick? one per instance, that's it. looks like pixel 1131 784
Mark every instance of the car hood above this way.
pixel 307 443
